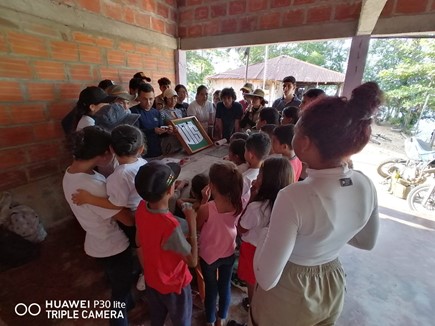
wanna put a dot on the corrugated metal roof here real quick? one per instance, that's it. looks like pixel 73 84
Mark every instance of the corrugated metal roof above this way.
pixel 282 66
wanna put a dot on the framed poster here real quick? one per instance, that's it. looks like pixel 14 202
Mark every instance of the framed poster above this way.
pixel 191 134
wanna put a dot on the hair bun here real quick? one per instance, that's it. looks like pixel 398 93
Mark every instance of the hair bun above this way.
pixel 365 99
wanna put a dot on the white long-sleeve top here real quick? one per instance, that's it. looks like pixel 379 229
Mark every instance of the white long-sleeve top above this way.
pixel 312 220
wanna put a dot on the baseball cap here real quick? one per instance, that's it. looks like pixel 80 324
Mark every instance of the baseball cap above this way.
pixel 289 79
pixel 141 75
pixel 106 83
pixel 112 115
pixel 248 87
pixel 94 95
pixel 120 92
pixel 169 93
pixel 154 179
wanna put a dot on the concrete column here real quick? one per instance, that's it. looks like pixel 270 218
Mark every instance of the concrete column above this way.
pixel 181 67
pixel 356 63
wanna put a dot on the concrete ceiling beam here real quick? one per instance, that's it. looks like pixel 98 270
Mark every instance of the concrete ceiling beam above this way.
pixel 370 12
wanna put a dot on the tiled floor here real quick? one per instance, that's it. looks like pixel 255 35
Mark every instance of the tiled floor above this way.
pixel 391 285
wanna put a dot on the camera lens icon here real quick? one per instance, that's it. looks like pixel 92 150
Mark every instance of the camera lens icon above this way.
pixel 32 309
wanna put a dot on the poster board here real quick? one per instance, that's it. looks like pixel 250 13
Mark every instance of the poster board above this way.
pixel 191 134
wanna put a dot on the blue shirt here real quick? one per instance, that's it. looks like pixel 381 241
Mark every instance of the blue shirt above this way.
pixel 281 103
pixel 149 120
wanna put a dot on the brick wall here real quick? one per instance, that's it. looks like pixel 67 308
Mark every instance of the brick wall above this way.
pixel 43 67
pixel 199 18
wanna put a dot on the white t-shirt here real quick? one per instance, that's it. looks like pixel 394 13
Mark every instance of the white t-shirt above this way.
pixel 312 220
pixel 243 167
pixel 85 121
pixel 255 218
pixel 202 113
pixel 120 185
pixel 104 238
pixel 248 176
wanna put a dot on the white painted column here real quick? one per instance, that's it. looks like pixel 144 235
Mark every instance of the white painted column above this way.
pixel 356 63
pixel 181 67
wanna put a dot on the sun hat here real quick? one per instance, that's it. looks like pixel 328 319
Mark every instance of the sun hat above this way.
pixel 94 95
pixel 169 93
pixel 257 93
pixel 248 87
pixel 154 179
pixel 113 115
pixel 120 92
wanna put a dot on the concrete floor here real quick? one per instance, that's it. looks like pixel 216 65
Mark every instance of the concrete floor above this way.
pixel 391 285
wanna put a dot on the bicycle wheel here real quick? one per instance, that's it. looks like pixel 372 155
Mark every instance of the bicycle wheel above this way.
pixel 416 199
pixel 388 167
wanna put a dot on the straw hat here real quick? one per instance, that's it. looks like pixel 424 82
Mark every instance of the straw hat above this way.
pixel 257 93
pixel 248 87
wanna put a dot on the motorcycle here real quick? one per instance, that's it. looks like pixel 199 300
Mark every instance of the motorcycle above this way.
pixel 413 171
pixel 422 198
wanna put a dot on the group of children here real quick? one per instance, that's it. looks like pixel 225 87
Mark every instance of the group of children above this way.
pixel 236 198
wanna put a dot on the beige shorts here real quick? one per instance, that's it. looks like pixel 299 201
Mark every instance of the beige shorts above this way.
pixel 304 296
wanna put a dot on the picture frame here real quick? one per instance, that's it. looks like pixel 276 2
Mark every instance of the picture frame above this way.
pixel 191 134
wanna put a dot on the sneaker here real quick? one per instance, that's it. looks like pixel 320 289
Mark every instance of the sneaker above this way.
pixel 234 323
pixel 140 285
pixel 238 283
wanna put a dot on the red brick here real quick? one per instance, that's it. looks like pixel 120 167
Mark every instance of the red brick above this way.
pixel 149 63
pixel 143 49
pixel 83 38
pixel 14 136
pixel 218 10
pixel 134 60
pixel 112 10
pixel 3 45
pixel 194 31
pixel 43 152
pixel 65 51
pixel 149 5
pixel 157 24
pixel 319 14
pixel 40 92
pixel 173 15
pixel 410 7
pixel 27 45
pixel 126 46
pixel 201 13
pixel 5 116
pixel 80 72
pixel 47 131
pixel 388 8
pixel 237 7
pixel 187 15
pixel 10 91
pixel 89 54
pixel 104 42
pixel 126 74
pixel 14 68
pixel 211 28
pixel 115 57
pixel 129 15
pixel 256 5
pixel 302 2
pixel 171 29
pixel 12 179
pixel 36 28
pixel 27 113
pixel 50 70
pixel 270 21
pixel 70 91
pixel 182 31
pixel 110 73
pixel 172 3
pixel 142 20
pixel 229 25
pixel 12 157
pixel 59 109
pixel 41 170
pixel 156 51
pixel 193 2
pixel 280 3
pixel 347 11
pixel 248 24
pixel 162 10
pixel 293 18
pixel 93 5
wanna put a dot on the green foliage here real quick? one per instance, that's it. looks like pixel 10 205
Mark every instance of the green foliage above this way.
pixel 199 66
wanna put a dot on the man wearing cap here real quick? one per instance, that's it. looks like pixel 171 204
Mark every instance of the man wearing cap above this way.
pixel 289 98
pixel 250 117
pixel 165 250
pixel 122 97
pixel 246 89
